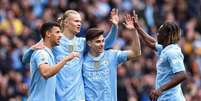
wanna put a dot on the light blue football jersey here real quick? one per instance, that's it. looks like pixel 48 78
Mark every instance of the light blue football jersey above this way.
pixel 100 75
pixel 170 61
pixel 70 85
pixel 41 89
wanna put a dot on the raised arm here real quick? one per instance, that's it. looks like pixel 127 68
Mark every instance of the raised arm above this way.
pixel 27 55
pixel 112 35
pixel 135 52
pixel 150 41
pixel 47 71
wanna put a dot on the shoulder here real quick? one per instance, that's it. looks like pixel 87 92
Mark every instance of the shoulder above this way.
pixel 114 52
pixel 39 53
pixel 111 51
pixel 81 38
pixel 173 51
pixel 158 47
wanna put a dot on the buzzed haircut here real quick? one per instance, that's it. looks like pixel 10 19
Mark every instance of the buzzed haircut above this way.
pixel 47 27
pixel 93 33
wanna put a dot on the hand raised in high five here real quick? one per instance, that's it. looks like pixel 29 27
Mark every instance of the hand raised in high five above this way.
pixel 135 20
pixel 129 24
pixel 114 16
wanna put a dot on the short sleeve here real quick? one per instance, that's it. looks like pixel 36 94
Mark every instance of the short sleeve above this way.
pixel 158 47
pixel 122 56
pixel 175 59
pixel 41 57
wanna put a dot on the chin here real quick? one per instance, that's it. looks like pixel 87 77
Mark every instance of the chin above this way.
pixel 56 44
pixel 100 51
pixel 77 32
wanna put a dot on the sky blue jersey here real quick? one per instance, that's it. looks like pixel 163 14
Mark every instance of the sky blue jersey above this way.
pixel 41 89
pixel 100 75
pixel 170 61
pixel 70 85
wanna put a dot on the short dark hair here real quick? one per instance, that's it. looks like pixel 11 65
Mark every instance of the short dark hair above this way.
pixel 93 33
pixel 46 27
pixel 170 32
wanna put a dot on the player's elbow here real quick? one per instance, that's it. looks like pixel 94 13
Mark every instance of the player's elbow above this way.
pixel 185 76
pixel 181 76
pixel 46 75
pixel 151 45
pixel 135 55
pixel 138 54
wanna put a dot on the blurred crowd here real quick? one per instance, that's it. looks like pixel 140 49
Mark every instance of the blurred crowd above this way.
pixel 20 21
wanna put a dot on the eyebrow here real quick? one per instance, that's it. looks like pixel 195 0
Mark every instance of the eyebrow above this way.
pixel 58 31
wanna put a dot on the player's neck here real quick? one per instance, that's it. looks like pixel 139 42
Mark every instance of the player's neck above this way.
pixel 93 53
pixel 47 43
pixel 68 34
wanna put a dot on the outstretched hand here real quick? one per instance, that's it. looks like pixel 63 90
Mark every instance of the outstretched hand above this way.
pixel 135 20
pixel 114 16
pixel 129 24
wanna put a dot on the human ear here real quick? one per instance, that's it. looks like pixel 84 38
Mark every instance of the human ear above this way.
pixel 48 34
pixel 89 43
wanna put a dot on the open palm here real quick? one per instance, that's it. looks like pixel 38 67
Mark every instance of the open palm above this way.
pixel 114 16
pixel 128 22
pixel 135 20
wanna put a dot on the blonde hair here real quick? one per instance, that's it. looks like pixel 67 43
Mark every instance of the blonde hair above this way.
pixel 61 19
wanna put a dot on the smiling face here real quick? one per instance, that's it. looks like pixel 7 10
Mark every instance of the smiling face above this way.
pixel 73 23
pixel 97 44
